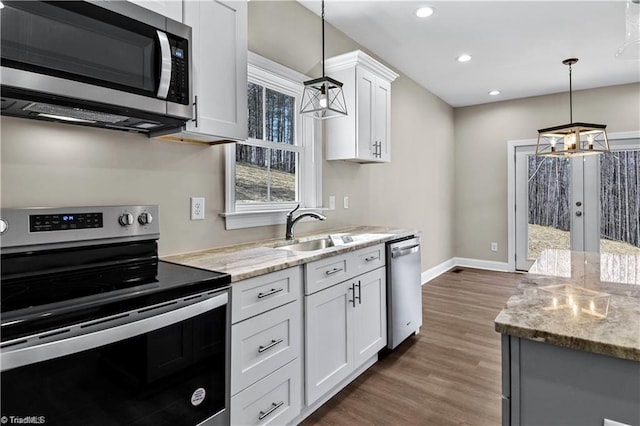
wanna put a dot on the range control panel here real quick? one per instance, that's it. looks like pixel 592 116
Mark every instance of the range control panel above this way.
pixel 42 227
pixel 64 221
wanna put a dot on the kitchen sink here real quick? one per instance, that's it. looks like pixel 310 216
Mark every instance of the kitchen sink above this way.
pixel 311 245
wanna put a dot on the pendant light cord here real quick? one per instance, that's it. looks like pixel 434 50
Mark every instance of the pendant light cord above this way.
pixel 570 97
pixel 322 38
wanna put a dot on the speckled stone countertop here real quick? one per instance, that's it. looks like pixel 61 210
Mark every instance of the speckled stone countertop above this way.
pixel 262 257
pixel 584 301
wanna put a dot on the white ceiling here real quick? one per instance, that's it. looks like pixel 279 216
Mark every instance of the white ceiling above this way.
pixel 517 47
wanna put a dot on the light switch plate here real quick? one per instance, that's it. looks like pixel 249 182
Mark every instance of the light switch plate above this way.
pixel 346 202
pixel 332 202
pixel 197 208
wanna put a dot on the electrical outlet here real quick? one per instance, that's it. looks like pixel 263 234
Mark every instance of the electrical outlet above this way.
pixel 494 246
pixel 346 202
pixel 197 208
pixel 332 202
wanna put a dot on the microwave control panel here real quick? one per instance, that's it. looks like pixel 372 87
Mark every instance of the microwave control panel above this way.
pixel 179 86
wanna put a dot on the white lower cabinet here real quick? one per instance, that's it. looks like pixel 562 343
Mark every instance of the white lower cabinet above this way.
pixel 264 343
pixel 370 316
pixel 266 336
pixel 276 399
pixel 345 326
pixel 328 339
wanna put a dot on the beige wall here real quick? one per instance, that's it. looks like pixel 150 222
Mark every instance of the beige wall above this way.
pixel 481 135
pixel 58 164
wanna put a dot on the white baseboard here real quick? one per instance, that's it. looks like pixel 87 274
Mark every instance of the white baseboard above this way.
pixel 437 270
pixel 443 267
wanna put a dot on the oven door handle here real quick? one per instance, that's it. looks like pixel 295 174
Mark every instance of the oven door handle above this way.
pixel 12 358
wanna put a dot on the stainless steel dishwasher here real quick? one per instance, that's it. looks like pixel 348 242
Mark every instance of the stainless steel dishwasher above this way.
pixel 404 293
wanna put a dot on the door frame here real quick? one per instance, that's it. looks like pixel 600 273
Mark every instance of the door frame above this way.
pixel 619 139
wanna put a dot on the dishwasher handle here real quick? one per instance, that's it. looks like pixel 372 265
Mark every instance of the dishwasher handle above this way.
pixel 403 251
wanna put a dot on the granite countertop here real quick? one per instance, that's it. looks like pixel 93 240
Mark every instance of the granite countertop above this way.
pixel 262 257
pixel 584 301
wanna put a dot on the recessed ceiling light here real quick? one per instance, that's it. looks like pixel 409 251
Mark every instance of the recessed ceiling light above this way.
pixel 464 58
pixel 424 12
pixel 494 93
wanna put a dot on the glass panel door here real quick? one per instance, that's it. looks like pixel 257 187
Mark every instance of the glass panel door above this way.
pixel 587 203
pixel 620 202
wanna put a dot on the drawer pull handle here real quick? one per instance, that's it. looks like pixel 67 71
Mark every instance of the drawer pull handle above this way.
pixel 274 407
pixel 270 292
pixel 370 258
pixel 270 345
pixel 333 271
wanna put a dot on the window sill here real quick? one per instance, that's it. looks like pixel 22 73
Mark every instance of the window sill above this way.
pixel 255 218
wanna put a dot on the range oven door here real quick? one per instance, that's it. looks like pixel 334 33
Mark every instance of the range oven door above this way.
pixel 113 53
pixel 164 368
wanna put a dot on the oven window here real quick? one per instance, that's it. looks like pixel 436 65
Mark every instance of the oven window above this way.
pixel 171 376
pixel 94 46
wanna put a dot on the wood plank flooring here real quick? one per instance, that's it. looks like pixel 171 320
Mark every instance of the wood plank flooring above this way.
pixel 447 375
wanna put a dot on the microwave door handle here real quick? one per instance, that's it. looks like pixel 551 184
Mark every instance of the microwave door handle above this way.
pixel 75 344
pixel 165 65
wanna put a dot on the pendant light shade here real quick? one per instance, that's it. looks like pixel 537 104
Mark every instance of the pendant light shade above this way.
pixel 573 139
pixel 323 97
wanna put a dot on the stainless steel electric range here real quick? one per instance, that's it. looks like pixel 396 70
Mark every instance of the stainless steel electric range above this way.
pixel 96 330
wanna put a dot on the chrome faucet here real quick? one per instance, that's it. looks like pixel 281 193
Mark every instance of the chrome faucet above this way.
pixel 291 221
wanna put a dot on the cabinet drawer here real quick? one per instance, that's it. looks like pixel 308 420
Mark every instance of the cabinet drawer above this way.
pixel 324 273
pixel 260 294
pixel 274 400
pixel 368 259
pixel 262 344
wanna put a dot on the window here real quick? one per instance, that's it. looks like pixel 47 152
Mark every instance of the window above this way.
pixel 279 165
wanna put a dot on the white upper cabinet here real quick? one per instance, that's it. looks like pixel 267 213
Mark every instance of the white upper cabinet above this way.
pixel 219 70
pixel 169 8
pixel 364 135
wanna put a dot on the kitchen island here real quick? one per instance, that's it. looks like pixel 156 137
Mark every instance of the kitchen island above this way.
pixel 571 342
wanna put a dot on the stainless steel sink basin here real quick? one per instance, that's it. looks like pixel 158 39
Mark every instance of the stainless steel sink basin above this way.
pixel 311 245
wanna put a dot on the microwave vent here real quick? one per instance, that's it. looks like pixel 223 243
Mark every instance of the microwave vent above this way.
pixel 74 113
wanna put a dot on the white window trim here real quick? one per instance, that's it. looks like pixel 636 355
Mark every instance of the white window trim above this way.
pixel 267 73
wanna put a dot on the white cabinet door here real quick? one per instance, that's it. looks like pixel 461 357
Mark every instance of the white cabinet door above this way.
pixel 365 114
pixel 219 50
pixel 369 316
pixel 169 8
pixel 382 119
pixel 329 353
pixel 364 135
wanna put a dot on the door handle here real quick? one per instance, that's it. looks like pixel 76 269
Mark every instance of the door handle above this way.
pixel 353 297
pixel 371 258
pixel 165 65
pixel 270 292
pixel 578 213
pixel 270 345
pixel 333 271
pixel 402 251
pixel 359 293
pixel 274 407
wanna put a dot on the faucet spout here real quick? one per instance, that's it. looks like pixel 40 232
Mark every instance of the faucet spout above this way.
pixel 291 221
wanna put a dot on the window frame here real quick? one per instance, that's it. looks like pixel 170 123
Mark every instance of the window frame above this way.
pixel 269 74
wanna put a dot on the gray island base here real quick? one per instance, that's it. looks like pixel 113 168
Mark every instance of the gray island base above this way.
pixel 571 342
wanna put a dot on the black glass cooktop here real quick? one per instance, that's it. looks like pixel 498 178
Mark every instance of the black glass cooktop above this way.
pixel 53 294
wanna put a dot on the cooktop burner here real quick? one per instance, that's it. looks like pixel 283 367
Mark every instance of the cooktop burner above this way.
pixel 58 277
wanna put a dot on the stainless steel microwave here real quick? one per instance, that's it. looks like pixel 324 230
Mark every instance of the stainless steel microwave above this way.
pixel 109 64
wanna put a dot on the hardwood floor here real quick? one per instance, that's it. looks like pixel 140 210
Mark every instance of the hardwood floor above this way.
pixel 447 375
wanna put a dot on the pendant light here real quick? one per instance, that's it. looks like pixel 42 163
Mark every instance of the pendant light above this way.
pixel 323 97
pixel 574 139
